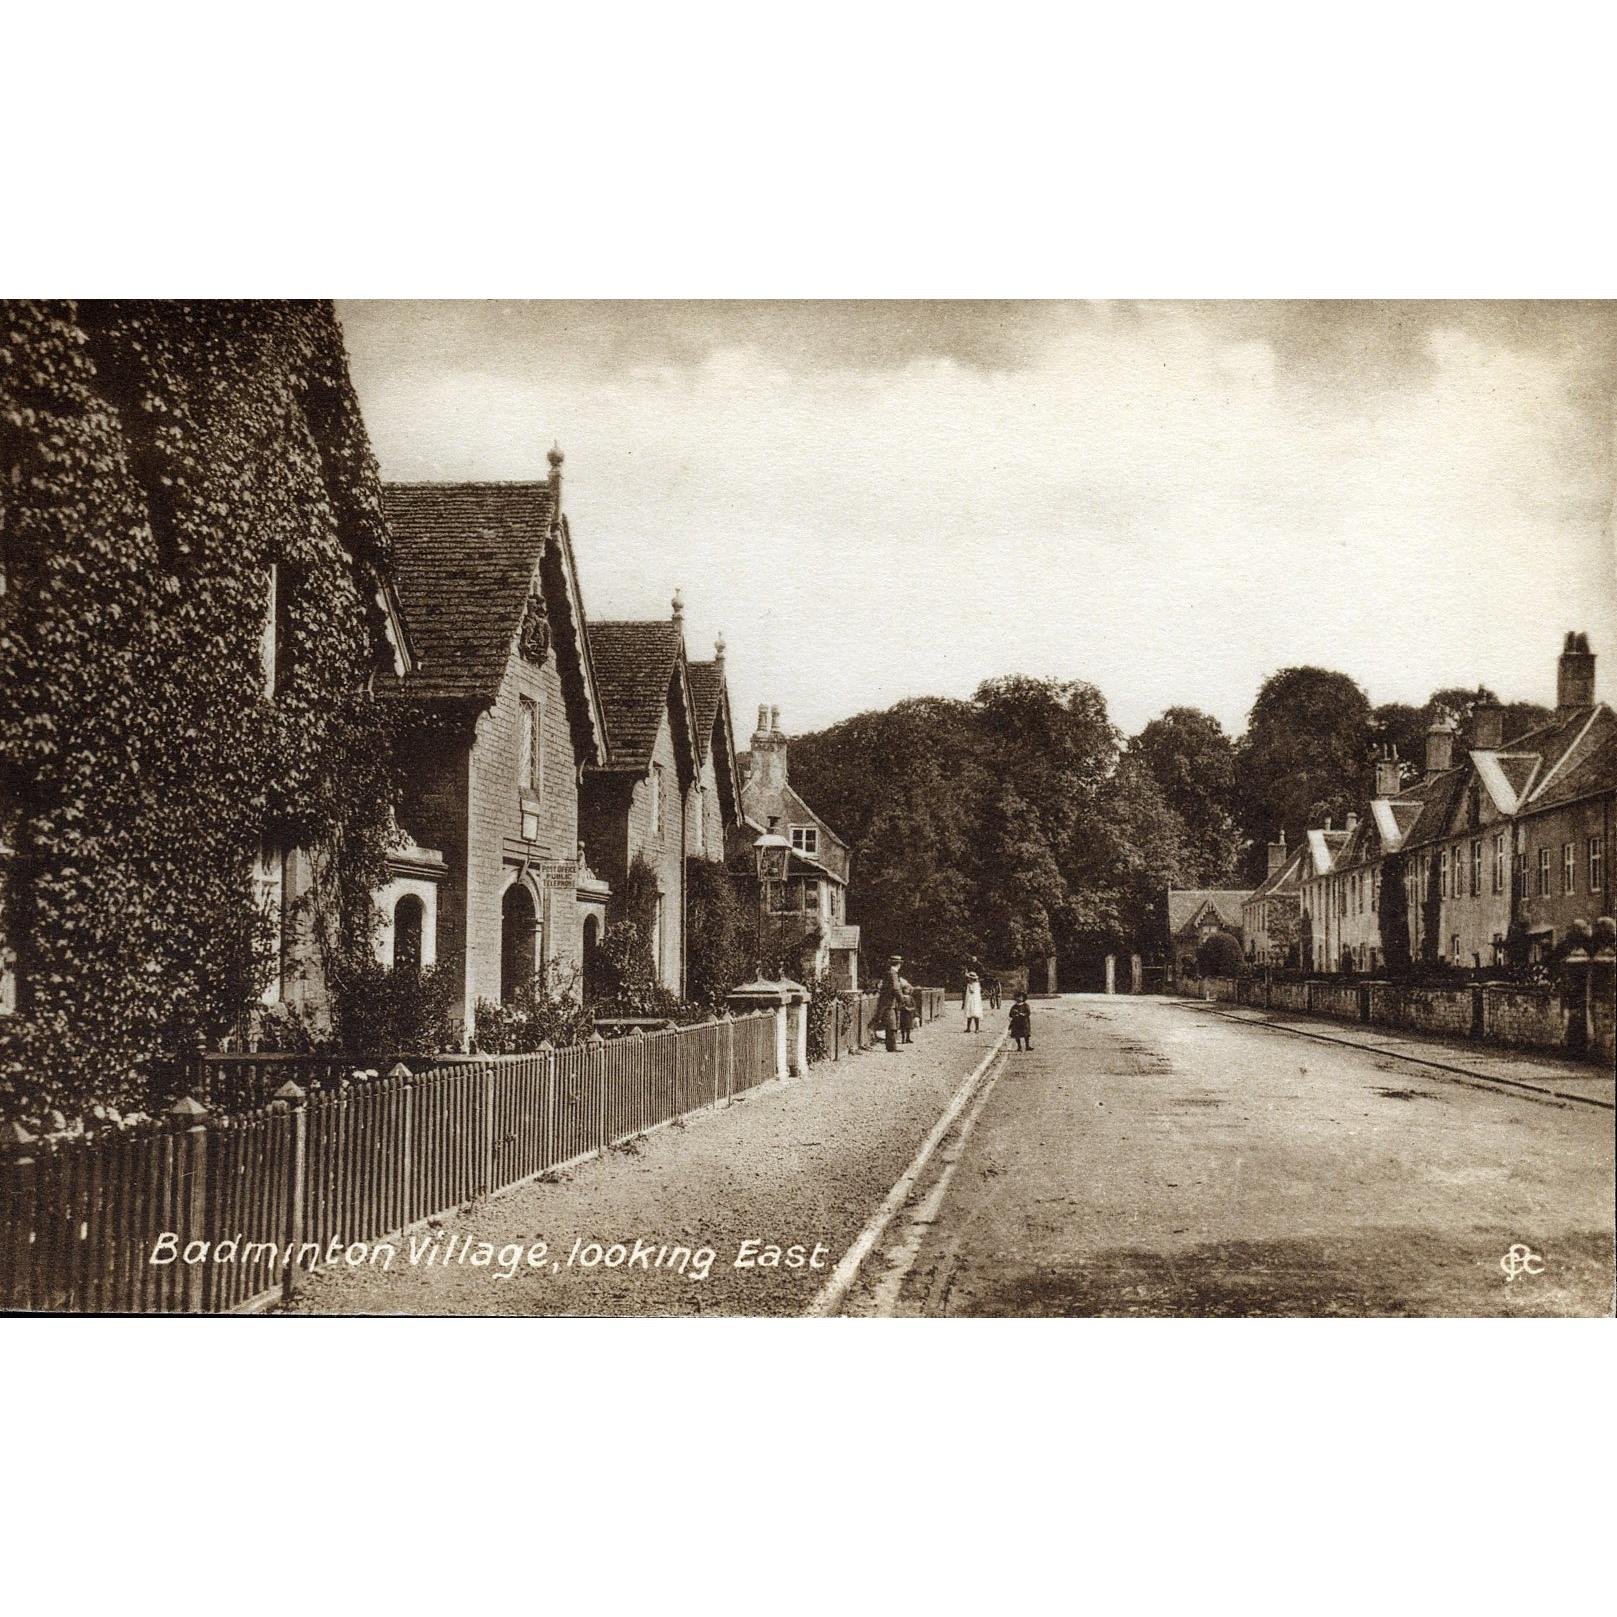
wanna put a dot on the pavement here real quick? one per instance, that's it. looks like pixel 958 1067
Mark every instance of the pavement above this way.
pixel 1152 1157
pixel 1584 1082
pixel 794 1165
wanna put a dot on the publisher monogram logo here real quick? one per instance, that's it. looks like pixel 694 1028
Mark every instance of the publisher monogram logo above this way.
pixel 1521 1260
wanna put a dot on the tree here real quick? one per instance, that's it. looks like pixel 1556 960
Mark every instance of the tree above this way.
pixel 1193 763
pixel 1219 955
pixel 720 935
pixel 1303 756
pixel 1402 727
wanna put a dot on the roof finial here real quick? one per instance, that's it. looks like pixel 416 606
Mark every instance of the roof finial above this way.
pixel 718 649
pixel 679 606
pixel 555 457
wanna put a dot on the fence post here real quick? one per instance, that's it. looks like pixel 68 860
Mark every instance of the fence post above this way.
pixel 600 1054
pixel 487 1110
pixel 291 1100
pixel 17 1185
pixel 188 1117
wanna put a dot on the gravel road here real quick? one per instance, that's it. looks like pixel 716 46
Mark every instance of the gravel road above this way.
pixel 801 1165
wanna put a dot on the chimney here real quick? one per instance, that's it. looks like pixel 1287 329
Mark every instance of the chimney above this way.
pixel 1439 747
pixel 718 651
pixel 768 763
pixel 1575 674
pixel 1487 727
pixel 1352 823
pixel 678 604
pixel 1277 853
pixel 1389 778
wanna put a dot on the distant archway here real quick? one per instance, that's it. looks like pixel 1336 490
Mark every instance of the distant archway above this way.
pixel 409 917
pixel 519 930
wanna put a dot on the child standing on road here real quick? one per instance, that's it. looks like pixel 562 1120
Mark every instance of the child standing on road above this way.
pixel 1022 1023
pixel 972 1002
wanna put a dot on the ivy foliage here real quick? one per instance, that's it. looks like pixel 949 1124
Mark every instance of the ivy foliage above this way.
pixel 156 459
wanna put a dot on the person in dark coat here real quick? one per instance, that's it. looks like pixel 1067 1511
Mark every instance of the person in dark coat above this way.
pixel 906 1012
pixel 1022 1022
pixel 889 999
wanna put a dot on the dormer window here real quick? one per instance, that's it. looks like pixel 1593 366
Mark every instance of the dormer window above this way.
pixel 806 839
pixel 658 816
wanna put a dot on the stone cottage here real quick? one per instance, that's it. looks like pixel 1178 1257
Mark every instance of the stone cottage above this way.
pixel 1194 914
pixel 501 713
pixel 806 915
pixel 636 802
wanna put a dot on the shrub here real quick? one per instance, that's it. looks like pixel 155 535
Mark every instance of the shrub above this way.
pixel 540 1013
pixel 720 934
pixel 388 1010
pixel 1219 955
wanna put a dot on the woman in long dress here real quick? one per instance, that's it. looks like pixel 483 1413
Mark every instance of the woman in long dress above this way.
pixel 972 1001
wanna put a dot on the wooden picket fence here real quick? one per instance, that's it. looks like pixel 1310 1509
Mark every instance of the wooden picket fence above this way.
pixel 853 1016
pixel 298 1179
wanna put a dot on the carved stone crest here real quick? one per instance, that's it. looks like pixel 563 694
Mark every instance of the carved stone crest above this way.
pixel 534 639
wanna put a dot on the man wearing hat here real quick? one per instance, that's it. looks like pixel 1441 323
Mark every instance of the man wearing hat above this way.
pixel 889 997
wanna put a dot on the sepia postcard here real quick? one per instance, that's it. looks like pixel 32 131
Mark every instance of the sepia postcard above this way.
pixel 858 809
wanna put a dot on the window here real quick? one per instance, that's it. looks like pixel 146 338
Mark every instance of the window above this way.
pixel 657 922
pixel 530 742
pixel 1499 864
pixel 1543 872
pixel 1569 867
pixel 1597 863
pixel 806 839
pixel 811 896
pixel 1476 867
pixel 1454 949
pixel 1443 874
pixel 283 585
pixel 701 819
pixel 658 817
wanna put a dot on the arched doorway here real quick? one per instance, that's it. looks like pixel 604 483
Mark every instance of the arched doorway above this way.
pixel 592 942
pixel 409 916
pixel 519 930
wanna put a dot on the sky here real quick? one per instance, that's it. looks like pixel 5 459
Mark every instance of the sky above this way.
pixel 1171 500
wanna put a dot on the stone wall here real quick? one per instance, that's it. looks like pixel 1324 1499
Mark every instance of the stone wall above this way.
pixel 1336 999
pixel 1531 1018
pixel 1288 996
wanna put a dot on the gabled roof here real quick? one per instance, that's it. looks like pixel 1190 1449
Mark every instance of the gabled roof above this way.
pixel 710 697
pixel 641 671
pixel 1186 904
pixel 1323 847
pixel 466 557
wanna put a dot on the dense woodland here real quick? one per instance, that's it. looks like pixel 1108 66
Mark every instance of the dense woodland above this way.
pixel 1023 823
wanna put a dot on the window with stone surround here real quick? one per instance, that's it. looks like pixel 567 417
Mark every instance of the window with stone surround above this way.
pixel 1569 867
pixel 658 815
pixel 1476 867
pixel 530 747
pixel 1543 872
pixel 1499 864
pixel 1597 863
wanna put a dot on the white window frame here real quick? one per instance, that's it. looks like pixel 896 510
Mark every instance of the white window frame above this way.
pixel 806 840
pixel 1597 863
pixel 1569 868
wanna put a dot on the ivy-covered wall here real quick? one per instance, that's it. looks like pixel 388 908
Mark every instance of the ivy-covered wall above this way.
pixel 156 459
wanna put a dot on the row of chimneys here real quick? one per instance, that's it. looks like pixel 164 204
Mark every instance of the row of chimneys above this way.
pixel 1574 688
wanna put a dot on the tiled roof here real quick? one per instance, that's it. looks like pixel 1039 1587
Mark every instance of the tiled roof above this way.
pixel 1185 903
pixel 635 666
pixel 464 556
pixel 707 685
pixel 1590 765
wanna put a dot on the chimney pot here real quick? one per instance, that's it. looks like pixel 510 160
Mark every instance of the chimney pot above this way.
pixel 678 604
pixel 718 649
pixel 1352 823
pixel 1389 778
pixel 763 716
pixel 1487 727
pixel 774 718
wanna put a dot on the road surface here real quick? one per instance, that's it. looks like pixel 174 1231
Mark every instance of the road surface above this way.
pixel 1150 1157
